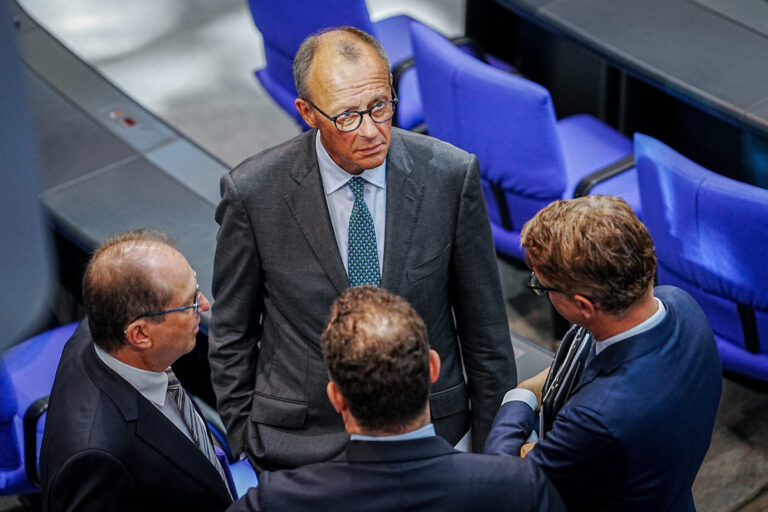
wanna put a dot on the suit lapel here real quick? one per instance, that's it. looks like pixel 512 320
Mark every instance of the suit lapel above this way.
pixel 404 195
pixel 154 428
pixel 157 431
pixel 306 202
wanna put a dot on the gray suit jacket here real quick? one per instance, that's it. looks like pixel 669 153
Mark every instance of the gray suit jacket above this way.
pixel 278 270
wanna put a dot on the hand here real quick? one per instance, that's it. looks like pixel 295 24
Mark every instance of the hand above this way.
pixel 535 384
pixel 527 447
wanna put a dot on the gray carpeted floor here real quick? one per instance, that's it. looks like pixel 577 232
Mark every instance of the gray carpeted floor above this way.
pixel 191 62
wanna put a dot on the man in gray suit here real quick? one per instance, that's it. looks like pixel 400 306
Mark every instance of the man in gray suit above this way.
pixel 352 201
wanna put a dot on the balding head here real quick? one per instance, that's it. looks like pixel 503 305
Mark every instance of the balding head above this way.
pixel 125 279
pixel 348 43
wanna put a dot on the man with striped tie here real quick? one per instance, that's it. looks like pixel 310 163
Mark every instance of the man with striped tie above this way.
pixel 121 432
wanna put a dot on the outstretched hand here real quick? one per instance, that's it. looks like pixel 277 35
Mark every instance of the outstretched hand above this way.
pixel 536 384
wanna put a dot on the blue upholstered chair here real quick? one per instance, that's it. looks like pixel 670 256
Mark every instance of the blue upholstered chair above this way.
pixel 711 237
pixel 240 474
pixel 285 23
pixel 527 157
pixel 26 378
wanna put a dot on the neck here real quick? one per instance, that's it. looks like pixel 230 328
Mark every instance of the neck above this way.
pixel 138 360
pixel 611 326
pixel 353 427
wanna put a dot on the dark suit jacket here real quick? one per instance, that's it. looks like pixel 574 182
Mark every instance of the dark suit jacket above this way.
pixel 633 435
pixel 106 447
pixel 278 270
pixel 421 475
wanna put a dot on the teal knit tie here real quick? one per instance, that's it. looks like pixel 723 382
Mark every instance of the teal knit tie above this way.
pixel 362 254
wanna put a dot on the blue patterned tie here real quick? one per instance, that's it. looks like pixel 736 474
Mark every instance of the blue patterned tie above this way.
pixel 194 423
pixel 362 254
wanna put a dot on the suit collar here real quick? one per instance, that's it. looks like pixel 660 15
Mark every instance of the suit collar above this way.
pixel 615 356
pixel 396 451
pixel 404 195
pixel 152 427
pixel 306 202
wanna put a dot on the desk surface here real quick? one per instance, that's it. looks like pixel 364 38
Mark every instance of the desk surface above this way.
pixel 108 165
pixel 694 50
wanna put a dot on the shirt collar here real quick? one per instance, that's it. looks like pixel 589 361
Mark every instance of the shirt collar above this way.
pixel 334 177
pixel 425 431
pixel 643 326
pixel 151 385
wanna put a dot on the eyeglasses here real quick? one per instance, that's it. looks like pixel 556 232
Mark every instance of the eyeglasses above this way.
pixel 195 306
pixel 350 120
pixel 536 287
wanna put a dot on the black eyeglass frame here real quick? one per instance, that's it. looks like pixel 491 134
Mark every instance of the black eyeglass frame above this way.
pixel 535 286
pixel 394 101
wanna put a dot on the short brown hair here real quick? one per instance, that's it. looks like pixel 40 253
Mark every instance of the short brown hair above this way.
pixel 346 46
pixel 377 352
pixel 118 287
pixel 594 246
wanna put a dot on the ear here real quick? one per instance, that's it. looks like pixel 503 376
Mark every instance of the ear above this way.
pixel 434 366
pixel 586 307
pixel 306 112
pixel 335 397
pixel 137 336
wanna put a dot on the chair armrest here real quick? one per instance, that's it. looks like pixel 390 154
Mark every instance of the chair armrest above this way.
pixel 589 181
pixel 31 417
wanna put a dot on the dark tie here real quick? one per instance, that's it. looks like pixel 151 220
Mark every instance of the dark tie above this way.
pixel 362 254
pixel 194 422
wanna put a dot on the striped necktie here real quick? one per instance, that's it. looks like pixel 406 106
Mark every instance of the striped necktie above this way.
pixel 194 422
pixel 362 253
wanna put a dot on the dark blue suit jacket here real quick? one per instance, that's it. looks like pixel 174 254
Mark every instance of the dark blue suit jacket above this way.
pixel 633 435
pixel 418 475
pixel 106 447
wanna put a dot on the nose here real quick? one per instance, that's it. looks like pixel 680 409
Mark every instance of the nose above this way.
pixel 368 128
pixel 204 304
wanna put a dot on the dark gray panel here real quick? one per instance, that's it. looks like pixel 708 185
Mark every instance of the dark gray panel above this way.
pixel 138 195
pixel 530 357
pixel 25 256
pixel 70 144
pixel 681 47
pixel 750 13
pixel 194 168
pixel 92 92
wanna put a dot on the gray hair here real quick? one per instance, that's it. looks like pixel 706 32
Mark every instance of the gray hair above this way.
pixel 347 47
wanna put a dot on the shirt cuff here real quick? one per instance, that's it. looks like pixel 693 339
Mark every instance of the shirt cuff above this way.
pixel 521 395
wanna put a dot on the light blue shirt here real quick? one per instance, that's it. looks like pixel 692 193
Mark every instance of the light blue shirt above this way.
pixel 340 199
pixel 648 324
pixel 151 385
pixel 425 431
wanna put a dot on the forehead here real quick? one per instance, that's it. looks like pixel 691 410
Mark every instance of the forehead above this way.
pixel 337 80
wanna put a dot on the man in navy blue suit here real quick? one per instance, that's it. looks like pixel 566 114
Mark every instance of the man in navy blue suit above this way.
pixel 377 353
pixel 639 420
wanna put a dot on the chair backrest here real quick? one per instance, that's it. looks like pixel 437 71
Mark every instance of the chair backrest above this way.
pixel 27 371
pixel 507 121
pixel 10 449
pixel 284 24
pixel 711 238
